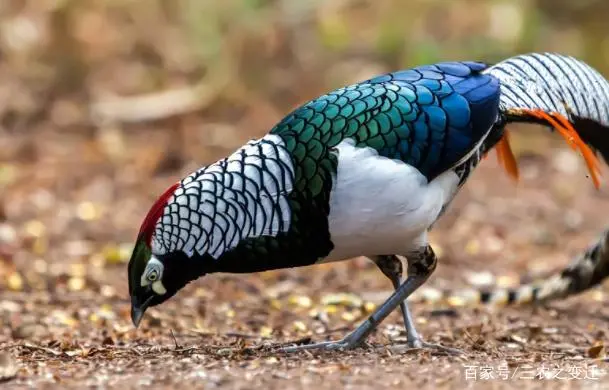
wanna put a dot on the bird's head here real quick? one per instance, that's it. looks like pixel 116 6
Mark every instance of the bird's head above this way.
pixel 158 267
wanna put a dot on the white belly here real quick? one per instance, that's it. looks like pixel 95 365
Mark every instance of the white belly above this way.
pixel 381 206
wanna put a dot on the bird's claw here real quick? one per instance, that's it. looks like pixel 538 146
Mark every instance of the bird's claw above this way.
pixel 345 344
pixel 326 345
pixel 418 344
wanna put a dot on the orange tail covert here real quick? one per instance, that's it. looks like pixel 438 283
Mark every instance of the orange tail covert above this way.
pixel 565 128
pixel 505 156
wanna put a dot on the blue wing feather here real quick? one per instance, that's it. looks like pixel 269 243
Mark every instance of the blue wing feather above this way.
pixel 459 105
pixel 429 117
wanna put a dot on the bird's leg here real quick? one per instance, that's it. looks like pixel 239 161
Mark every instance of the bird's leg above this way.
pixel 421 265
pixel 391 267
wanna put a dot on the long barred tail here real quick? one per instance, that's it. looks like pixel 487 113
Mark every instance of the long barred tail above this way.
pixel 586 271
pixel 560 91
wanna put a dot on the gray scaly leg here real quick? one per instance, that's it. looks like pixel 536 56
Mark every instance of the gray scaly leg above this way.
pixel 421 265
pixel 391 267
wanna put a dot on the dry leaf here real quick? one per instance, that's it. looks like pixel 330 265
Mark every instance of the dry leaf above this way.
pixel 348 316
pixel 88 211
pixel 8 367
pixel 596 351
pixel 300 300
pixel 15 281
pixel 349 300
pixel 266 331
pixel 76 284
pixel 483 278
pixel 472 247
pixel 300 326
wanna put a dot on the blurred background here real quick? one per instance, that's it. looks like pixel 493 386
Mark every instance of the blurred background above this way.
pixel 105 103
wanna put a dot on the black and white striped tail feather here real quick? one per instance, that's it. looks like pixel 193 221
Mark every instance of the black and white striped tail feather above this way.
pixel 586 271
pixel 556 83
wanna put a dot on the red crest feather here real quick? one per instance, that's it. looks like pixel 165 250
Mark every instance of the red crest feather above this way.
pixel 155 213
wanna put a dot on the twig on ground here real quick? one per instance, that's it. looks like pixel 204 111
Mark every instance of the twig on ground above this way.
pixel 174 339
pixel 153 106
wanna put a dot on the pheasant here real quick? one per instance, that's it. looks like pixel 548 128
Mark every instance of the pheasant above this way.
pixel 365 170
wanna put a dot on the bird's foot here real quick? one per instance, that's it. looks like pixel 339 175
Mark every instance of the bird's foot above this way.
pixel 419 344
pixel 339 345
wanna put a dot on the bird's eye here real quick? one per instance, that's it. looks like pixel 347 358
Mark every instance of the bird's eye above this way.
pixel 152 276
pixel 153 272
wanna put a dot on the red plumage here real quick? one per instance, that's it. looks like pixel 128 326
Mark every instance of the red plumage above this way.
pixel 155 213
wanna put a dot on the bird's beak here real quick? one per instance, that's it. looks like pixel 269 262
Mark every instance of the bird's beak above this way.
pixel 139 308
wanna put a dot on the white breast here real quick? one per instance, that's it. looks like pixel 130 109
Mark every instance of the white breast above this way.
pixel 381 206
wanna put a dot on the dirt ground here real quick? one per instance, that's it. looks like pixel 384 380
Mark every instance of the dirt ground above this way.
pixel 65 310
